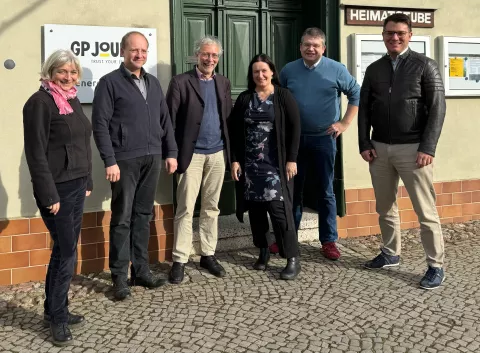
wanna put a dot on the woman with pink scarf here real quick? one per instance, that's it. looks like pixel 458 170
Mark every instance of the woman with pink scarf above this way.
pixel 57 146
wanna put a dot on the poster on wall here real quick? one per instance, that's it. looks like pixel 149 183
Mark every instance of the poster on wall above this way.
pixel 98 49
pixel 473 68
pixel 457 67
pixel 467 67
pixel 367 59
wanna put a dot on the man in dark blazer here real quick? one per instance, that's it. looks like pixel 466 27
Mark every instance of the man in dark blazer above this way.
pixel 199 102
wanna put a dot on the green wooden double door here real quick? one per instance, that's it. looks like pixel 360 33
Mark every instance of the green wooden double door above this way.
pixel 247 28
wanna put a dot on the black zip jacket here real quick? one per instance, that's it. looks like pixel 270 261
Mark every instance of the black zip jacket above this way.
pixel 57 147
pixel 125 125
pixel 402 106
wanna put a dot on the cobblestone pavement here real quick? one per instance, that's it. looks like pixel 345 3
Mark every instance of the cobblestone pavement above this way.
pixel 333 307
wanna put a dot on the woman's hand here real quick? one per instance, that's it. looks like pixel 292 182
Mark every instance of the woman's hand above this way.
pixel 236 171
pixel 291 170
pixel 87 193
pixel 54 208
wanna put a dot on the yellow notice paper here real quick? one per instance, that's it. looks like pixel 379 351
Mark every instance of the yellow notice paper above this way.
pixel 456 67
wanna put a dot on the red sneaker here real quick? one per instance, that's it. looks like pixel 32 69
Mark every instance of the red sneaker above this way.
pixel 330 251
pixel 274 248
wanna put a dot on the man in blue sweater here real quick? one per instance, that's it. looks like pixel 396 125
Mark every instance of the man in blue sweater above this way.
pixel 317 83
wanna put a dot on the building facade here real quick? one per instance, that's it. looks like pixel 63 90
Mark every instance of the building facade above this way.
pixel 246 27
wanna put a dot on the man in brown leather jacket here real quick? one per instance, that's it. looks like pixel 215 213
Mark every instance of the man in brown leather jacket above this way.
pixel 403 101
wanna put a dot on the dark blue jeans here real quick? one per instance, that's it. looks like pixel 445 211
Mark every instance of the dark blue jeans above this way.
pixel 132 204
pixel 64 229
pixel 317 152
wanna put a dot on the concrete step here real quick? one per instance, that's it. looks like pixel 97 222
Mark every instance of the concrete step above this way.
pixel 234 235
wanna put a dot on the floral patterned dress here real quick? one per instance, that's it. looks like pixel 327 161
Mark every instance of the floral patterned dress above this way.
pixel 262 176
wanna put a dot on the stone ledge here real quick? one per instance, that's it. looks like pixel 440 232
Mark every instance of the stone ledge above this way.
pixel 234 235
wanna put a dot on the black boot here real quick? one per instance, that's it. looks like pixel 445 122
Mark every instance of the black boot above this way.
pixel 292 269
pixel 177 273
pixel 121 290
pixel 61 335
pixel 211 264
pixel 262 261
pixel 73 320
pixel 148 280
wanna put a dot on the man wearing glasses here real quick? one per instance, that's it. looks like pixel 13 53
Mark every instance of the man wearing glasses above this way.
pixel 133 132
pixel 403 101
pixel 317 83
pixel 199 102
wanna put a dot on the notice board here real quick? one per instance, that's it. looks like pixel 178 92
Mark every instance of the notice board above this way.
pixel 460 65
pixel 368 48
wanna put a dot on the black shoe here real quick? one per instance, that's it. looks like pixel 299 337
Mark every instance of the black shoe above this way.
pixel 292 269
pixel 433 278
pixel 262 261
pixel 73 320
pixel 149 281
pixel 382 260
pixel 211 264
pixel 176 273
pixel 61 335
pixel 121 290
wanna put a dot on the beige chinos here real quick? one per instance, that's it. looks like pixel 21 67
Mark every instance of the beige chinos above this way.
pixel 399 161
pixel 205 174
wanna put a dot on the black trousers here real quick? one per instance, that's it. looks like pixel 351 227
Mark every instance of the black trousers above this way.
pixel 132 204
pixel 64 229
pixel 287 240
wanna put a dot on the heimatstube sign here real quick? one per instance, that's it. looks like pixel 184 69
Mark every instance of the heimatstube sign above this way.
pixel 374 16
pixel 98 49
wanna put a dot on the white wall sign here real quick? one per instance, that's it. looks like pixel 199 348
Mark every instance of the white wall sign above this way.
pixel 98 49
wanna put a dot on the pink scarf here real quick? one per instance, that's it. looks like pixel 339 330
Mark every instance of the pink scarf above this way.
pixel 60 96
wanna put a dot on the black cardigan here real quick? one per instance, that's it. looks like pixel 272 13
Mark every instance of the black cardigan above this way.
pixel 57 147
pixel 287 127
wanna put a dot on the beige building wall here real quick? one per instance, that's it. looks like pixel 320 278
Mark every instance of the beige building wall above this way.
pixel 458 149
pixel 21 24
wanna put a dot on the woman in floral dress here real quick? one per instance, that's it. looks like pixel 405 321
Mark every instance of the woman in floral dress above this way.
pixel 264 130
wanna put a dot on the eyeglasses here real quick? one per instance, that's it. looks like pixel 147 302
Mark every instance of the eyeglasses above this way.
pixel 204 55
pixel 308 45
pixel 138 51
pixel 400 34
